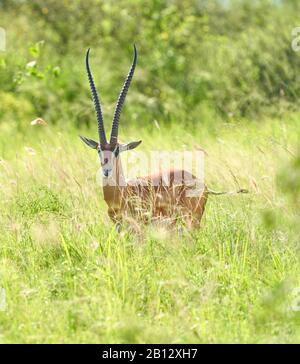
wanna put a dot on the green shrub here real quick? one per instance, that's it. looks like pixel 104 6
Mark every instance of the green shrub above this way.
pixel 235 58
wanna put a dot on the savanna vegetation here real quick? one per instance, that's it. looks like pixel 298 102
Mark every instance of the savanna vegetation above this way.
pixel 217 75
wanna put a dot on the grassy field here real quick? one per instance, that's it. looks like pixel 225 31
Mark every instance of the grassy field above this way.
pixel 211 74
pixel 69 277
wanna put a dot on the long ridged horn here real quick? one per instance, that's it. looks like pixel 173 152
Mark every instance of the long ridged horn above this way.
pixel 101 131
pixel 121 100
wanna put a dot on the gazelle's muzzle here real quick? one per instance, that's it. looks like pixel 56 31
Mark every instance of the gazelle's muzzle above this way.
pixel 106 172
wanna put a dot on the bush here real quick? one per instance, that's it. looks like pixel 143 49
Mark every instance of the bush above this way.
pixel 235 59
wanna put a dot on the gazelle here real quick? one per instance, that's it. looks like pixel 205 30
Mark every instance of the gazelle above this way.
pixel 145 198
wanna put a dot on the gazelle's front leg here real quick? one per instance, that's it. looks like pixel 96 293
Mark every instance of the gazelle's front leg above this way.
pixel 116 217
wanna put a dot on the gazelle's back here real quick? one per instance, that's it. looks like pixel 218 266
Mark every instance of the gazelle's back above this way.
pixel 174 194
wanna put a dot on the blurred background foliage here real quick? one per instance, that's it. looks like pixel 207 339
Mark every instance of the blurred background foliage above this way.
pixel 198 60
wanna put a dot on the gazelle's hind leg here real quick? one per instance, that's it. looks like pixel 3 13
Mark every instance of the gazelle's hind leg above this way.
pixel 195 207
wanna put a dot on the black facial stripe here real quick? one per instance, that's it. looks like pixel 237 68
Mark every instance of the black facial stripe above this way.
pixel 117 151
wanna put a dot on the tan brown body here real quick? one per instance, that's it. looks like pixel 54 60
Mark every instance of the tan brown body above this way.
pixel 152 198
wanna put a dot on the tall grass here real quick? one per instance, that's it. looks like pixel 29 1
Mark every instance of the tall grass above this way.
pixel 213 76
pixel 69 277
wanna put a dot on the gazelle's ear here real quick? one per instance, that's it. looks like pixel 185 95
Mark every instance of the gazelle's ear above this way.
pixel 129 146
pixel 91 143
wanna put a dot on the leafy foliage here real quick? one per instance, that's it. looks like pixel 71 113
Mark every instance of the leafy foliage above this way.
pixel 197 59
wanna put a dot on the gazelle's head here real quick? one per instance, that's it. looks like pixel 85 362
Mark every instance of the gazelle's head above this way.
pixel 110 150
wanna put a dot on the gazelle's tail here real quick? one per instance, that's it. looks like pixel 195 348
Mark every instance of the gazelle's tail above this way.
pixel 217 193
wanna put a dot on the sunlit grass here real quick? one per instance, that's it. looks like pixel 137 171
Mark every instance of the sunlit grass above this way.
pixel 69 277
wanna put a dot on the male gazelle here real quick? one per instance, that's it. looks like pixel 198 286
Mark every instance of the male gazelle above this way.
pixel 145 198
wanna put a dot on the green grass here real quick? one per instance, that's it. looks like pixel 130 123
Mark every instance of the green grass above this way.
pixel 69 277
pixel 228 73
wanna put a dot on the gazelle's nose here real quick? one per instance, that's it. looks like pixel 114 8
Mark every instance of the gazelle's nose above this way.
pixel 105 173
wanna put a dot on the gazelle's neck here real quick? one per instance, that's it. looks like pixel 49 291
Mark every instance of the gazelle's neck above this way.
pixel 114 185
pixel 118 175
